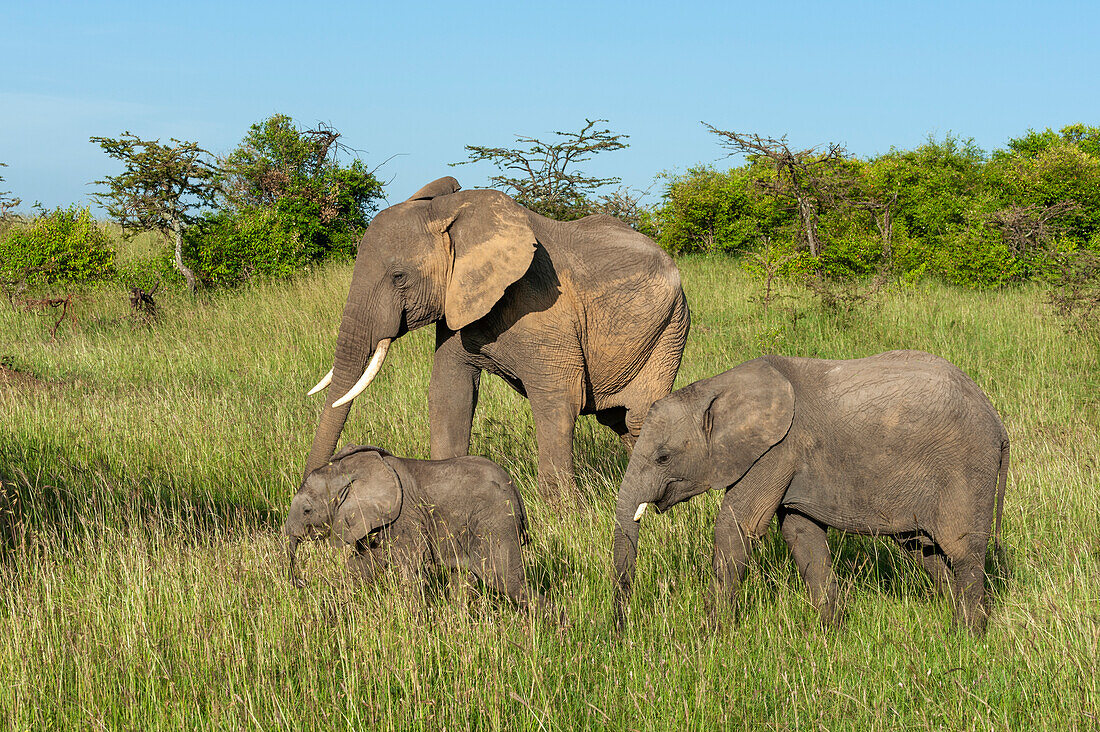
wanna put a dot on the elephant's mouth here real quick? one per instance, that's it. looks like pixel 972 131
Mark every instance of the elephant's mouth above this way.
pixel 669 496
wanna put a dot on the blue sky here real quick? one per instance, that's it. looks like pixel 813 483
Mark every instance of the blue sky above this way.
pixel 418 80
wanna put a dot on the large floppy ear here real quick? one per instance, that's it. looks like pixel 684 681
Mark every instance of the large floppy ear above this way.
pixel 372 500
pixel 439 187
pixel 493 246
pixel 750 410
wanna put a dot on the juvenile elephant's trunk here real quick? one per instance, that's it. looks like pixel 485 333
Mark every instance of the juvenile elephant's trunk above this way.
pixel 292 567
pixel 632 495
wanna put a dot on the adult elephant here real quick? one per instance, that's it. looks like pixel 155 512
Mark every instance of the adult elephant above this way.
pixel 581 317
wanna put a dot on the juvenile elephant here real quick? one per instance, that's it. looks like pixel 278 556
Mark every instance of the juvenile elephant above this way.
pixel 901 444
pixel 581 317
pixel 463 513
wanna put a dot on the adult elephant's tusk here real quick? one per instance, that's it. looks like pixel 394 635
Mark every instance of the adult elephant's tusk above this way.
pixel 324 382
pixel 372 370
pixel 640 511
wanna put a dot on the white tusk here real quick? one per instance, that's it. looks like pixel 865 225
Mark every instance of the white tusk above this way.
pixel 372 370
pixel 325 381
pixel 640 511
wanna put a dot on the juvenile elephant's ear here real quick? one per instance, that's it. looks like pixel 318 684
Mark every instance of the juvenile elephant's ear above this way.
pixel 751 410
pixel 439 187
pixel 493 246
pixel 373 498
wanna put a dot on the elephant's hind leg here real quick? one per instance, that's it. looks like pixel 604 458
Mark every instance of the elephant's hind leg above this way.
pixel 809 546
pixel 499 564
pixel 654 381
pixel 968 591
pixel 925 553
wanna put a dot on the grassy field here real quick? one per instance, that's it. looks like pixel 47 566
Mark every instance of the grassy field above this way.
pixel 146 471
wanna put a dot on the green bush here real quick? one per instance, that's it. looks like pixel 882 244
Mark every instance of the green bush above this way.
pixel 230 248
pixel 975 257
pixel 148 272
pixel 63 245
pixel 705 210
pixel 854 255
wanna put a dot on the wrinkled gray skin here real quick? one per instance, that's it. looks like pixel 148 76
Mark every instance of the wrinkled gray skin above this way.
pixel 901 444
pixel 581 317
pixel 463 513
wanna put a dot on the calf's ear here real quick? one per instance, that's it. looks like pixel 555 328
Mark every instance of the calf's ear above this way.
pixel 372 499
pixel 750 411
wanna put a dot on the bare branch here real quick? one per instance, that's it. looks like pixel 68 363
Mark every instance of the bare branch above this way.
pixel 542 175
pixel 812 179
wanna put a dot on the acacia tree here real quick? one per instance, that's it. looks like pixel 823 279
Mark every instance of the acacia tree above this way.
pixel 278 164
pixel 813 179
pixel 161 187
pixel 542 175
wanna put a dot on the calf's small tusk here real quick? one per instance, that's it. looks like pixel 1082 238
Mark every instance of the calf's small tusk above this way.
pixel 371 371
pixel 640 511
pixel 325 381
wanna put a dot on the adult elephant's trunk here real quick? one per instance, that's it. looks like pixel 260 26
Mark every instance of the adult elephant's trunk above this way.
pixel 355 346
pixel 633 495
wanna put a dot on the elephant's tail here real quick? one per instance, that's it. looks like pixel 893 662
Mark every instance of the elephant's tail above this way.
pixel 1002 482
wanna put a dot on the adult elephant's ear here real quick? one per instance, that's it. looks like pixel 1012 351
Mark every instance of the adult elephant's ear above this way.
pixel 370 501
pixel 493 246
pixel 439 187
pixel 751 410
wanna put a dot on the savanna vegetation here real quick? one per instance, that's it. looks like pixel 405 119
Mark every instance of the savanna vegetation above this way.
pixel 146 470
pixel 147 458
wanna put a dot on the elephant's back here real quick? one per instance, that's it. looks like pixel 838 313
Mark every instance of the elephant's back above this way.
pixel 627 292
pixel 494 486
pixel 899 429
pixel 896 409
pixel 907 387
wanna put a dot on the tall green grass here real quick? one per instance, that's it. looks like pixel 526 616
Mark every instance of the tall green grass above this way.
pixel 146 471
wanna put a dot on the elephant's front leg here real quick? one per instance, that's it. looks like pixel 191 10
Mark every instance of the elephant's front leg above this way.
pixel 732 546
pixel 366 563
pixel 555 417
pixel 452 396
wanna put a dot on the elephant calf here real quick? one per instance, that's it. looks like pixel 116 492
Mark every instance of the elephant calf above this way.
pixel 461 513
pixel 901 444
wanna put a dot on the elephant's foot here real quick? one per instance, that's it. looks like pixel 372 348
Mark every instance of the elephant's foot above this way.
pixel 559 490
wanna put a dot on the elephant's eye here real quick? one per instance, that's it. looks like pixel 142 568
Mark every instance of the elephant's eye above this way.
pixel 663 458
pixel 307 510
pixel 399 279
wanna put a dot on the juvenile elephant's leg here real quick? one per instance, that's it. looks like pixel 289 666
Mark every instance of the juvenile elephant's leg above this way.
pixel 412 567
pixel 452 397
pixel 925 553
pixel 555 417
pixel 365 565
pixel 459 587
pixel 731 558
pixel 968 590
pixel 809 546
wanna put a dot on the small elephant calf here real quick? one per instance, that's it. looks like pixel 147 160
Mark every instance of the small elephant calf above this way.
pixel 902 444
pixel 462 513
